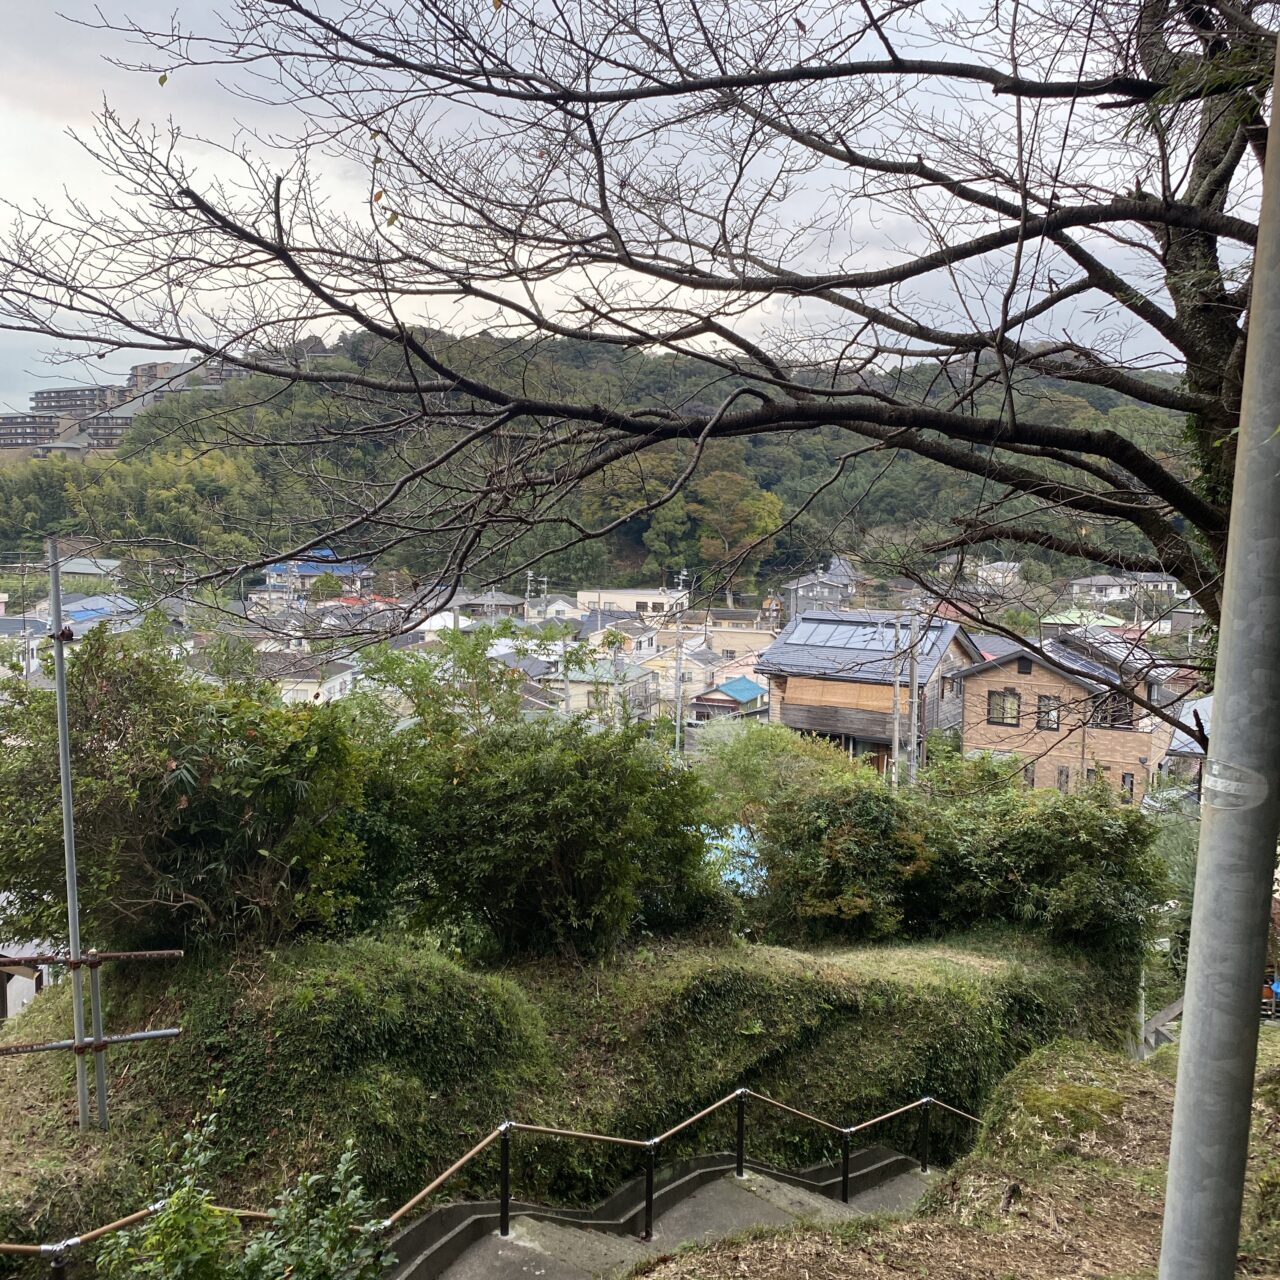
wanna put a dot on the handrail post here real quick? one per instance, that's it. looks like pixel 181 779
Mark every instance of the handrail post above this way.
pixel 504 1184
pixel 927 1111
pixel 58 1267
pixel 650 1158
pixel 844 1167
pixel 741 1149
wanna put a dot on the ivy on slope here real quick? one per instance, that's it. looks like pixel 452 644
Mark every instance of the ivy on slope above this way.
pixel 414 1058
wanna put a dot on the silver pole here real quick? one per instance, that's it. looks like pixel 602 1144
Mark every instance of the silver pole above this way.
pixel 679 670
pixel 99 1049
pixel 897 702
pixel 68 831
pixel 913 703
pixel 1239 819
pixel 679 679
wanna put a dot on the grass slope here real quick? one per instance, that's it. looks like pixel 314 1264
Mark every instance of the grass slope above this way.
pixel 1066 1181
pixel 396 1047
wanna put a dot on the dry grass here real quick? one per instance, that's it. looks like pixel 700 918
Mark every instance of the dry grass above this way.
pixel 1067 1183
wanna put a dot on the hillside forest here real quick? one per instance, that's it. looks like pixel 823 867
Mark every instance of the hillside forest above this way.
pixel 258 465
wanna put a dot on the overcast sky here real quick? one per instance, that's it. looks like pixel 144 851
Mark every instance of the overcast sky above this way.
pixel 54 76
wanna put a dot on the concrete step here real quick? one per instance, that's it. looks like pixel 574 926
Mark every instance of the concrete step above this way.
pixel 725 1207
pixel 550 1251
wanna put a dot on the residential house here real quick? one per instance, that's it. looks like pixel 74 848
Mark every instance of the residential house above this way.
pixel 606 690
pixel 996 575
pixel 831 588
pixel 100 567
pixel 634 636
pixel 21 638
pixel 1071 619
pixel 1060 711
pixel 489 606
pixel 602 628
pixel 550 607
pixel 297 577
pixel 1153 590
pixel 1185 757
pixel 834 674
pixel 445 620
pixel 728 632
pixel 307 679
pixel 694 664
pixel 740 696
pixel 20 983
pixel 648 602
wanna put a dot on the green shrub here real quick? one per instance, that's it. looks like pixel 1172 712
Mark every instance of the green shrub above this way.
pixel 837 863
pixel 318 1229
pixel 750 767
pixel 545 836
pixel 849 857
pixel 202 813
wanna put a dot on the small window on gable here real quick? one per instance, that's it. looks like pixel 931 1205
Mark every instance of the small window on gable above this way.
pixel 1024 666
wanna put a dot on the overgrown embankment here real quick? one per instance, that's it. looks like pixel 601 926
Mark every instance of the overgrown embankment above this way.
pixel 413 1057
pixel 1067 1180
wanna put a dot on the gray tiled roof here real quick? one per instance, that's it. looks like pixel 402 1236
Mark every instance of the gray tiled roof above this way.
pixel 855 644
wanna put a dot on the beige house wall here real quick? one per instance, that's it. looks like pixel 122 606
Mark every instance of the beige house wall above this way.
pixel 1075 746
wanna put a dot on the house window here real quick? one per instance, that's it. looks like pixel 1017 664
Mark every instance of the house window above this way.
pixel 1112 711
pixel 1024 666
pixel 1048 711
pixel 1126 788
pixel 1029 775
pixel 1003 706
pixel 731 653
pixel 1091 775
pixel 1064 779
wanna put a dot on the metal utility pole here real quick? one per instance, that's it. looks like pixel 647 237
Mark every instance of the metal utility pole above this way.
pixel 1239 819
pixel 895 752
pixel 60 637
pixel 913 715
pixel 679 668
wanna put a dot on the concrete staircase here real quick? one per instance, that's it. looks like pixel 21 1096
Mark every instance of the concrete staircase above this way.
pixel 695 1201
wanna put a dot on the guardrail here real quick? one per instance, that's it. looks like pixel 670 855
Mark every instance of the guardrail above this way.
pixel 58 1251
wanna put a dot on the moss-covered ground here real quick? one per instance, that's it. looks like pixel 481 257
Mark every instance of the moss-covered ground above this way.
pixel 394 1046
pixel 1066 1181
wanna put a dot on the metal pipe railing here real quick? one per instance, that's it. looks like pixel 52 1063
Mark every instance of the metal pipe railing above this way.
pixel 412 1203
pixel 503 1133
pixel 803 1115
pixel 576 1133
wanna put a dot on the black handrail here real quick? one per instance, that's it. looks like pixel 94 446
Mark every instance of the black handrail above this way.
pixel 57 1252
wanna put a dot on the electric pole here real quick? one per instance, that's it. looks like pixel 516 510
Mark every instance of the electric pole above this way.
pixel 895 751
pixel 60 637
pixel 679 668
pixel 913 713
pixel 1239 818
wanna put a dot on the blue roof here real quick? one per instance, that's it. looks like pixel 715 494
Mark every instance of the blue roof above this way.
pixel 742 689
pixel 327 566
pixel 95 608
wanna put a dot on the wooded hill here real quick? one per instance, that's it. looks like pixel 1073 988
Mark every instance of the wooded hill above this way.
pixel 263 463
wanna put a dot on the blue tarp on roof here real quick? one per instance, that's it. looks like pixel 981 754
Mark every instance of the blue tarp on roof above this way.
pixel 742 689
